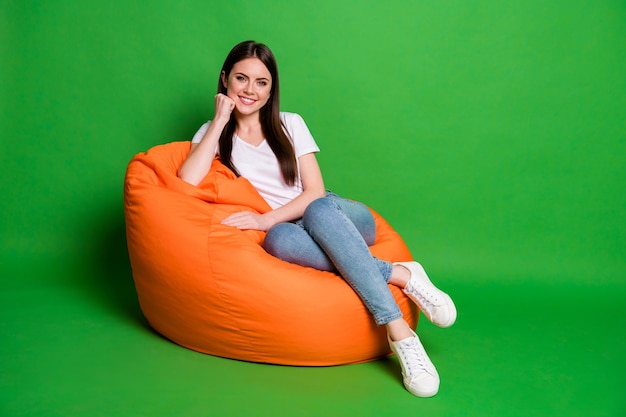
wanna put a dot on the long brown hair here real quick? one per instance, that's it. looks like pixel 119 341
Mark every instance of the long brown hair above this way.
pixel 275 134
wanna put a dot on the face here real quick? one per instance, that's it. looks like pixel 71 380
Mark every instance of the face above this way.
pixel 249 85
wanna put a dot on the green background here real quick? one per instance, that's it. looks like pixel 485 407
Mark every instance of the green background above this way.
pixel 491 135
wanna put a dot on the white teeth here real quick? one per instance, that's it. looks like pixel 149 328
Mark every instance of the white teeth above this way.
pixel 246 100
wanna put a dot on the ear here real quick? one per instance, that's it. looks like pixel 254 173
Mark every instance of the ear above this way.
pixel 224 80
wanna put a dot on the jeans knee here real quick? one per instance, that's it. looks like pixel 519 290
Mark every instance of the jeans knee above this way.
pixel 276 239
pixel 318 209
pixel 334 212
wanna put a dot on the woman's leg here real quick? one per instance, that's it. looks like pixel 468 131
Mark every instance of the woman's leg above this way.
pixel 326 220
pixel 291 243
pixel 331 239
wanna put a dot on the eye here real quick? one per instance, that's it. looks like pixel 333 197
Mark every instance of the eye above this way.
pixel 241 78
pixel 262 83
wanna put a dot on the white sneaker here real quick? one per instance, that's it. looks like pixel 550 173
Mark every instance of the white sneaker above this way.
pixel 419 374
pixel 436 305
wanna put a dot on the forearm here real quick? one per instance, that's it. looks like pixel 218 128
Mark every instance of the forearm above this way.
pixel 313 188
pixel 292 210
pixel 198 162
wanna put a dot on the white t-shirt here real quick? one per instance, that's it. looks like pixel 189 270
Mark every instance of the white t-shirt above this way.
pixel 259 165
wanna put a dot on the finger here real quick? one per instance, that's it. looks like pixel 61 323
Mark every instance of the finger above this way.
pixel 235 218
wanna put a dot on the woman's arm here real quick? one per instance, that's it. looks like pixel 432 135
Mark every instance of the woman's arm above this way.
pixel 313 188
pixel 198 162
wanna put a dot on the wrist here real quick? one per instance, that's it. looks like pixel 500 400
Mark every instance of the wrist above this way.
pixel 269 220
pixel 220 121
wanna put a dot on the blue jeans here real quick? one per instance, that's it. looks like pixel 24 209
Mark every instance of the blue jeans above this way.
pixel 334 235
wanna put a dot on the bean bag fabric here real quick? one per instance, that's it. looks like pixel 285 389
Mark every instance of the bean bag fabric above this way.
pixel 212 288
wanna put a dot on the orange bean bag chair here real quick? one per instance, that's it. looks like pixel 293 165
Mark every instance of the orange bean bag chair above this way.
pixel 212 288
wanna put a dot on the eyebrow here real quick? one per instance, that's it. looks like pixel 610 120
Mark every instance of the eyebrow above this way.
pixel 245 75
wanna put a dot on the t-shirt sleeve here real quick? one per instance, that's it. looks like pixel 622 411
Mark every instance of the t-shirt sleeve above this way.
pixel 200 133
pixel 303 141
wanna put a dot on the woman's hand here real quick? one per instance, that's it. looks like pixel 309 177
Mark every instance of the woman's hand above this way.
pixel 224 106
pixel 245 220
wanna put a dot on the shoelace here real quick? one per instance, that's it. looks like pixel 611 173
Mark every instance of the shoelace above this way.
pixel 424 295
pixel 415 358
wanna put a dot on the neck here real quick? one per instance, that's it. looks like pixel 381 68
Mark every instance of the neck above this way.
pixel 248 123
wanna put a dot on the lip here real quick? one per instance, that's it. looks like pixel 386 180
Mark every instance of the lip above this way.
pixel 247 101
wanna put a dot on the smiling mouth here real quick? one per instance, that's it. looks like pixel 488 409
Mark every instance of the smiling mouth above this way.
pixel 246 100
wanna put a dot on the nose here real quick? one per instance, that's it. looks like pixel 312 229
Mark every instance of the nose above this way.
pixel 248 88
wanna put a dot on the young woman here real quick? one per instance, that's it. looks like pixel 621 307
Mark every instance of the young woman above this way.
pixel 275 151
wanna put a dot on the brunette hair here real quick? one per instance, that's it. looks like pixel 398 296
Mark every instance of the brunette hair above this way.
pixel 275 134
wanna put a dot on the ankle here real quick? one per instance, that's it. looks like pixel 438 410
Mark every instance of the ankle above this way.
pixel 398 330
pixel 400 276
